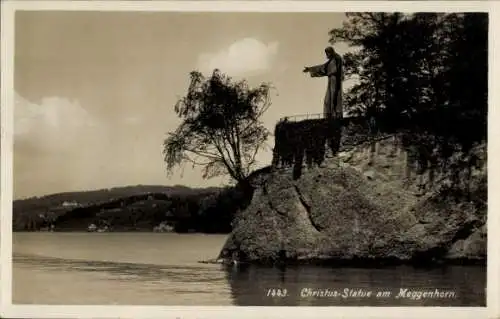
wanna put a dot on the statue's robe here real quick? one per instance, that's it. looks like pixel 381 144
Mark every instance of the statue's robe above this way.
pixel 332 107
pixel 332 69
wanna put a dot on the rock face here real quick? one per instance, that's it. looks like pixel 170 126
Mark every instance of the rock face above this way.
pixel 343 212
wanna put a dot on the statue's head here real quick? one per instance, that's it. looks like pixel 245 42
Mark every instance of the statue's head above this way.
pixel 330 52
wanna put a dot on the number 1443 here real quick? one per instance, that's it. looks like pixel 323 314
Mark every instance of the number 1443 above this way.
pixel 276 292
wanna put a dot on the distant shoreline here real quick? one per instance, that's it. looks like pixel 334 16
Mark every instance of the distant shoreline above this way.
pixel 139 208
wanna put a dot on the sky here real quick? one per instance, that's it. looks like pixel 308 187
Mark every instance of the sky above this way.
pixel 95 91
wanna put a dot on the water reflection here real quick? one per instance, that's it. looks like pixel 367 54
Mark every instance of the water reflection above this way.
pixel 144 283
pixel 125 271
pixel 250 286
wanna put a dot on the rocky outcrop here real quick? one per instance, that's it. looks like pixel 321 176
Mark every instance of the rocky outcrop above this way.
pixel 471 248
pixel 354 212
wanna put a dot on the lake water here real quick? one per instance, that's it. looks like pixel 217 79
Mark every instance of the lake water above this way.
pixel 164 269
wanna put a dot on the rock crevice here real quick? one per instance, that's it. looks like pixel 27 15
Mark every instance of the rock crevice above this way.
pixel 307 208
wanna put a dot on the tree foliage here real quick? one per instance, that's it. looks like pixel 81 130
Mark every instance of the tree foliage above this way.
pixel 221 128
pixel 425 73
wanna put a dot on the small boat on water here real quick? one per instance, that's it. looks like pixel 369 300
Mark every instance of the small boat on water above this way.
pixel 221 261
pixel 234 260
pixel 212 261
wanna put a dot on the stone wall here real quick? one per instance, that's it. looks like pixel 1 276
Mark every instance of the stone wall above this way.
pixel 308 141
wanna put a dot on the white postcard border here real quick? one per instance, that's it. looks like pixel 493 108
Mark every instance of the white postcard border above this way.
pixel 44 311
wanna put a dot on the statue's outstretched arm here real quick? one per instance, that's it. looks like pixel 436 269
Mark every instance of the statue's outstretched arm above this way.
pixel 316 71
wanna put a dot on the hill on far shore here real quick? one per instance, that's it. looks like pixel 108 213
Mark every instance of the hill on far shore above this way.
pixel 129 208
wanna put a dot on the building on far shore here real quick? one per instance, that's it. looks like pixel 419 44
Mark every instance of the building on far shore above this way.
pixel 70 204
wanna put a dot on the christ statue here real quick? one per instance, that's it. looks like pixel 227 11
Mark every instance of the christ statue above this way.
pixel 332 107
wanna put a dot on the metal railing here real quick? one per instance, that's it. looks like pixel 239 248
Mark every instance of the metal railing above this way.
pixel 300 117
